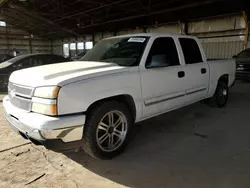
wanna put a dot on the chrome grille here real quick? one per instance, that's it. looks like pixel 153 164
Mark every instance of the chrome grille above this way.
pixel 20 96
pixel 24 104
pixel 21 90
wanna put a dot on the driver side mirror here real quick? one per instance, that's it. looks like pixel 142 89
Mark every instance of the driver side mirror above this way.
pixel 158 61
pixel 234 56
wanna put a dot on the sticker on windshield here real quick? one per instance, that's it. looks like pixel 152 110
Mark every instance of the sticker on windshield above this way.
pixel 137 39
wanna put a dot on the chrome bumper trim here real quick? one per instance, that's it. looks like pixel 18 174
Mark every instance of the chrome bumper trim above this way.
pixel 66 134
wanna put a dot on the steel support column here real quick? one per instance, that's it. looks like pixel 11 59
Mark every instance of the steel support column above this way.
pixel 246 30
pixel 7 39
pixel 93 39
pixel 51 47
pixel 30 44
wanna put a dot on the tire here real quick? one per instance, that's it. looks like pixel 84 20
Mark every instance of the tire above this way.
pixel 99 133
pixel 220 96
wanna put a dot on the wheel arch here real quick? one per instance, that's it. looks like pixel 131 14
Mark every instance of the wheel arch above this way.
pixel 125 99
pixel 225 78
pixel 214 83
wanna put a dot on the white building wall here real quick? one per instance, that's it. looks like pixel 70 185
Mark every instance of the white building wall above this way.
pixel 222 49
pixel 14 39
pixel 171 28
pixel 130 31
pixel 228 23
pixel 58 44
pixel 221 37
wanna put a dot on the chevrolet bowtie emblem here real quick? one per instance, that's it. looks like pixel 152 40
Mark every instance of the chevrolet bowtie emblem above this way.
pixel 12 93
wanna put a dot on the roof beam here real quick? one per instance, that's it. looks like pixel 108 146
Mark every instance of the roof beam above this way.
pixel 192 5
pixel 2 2
pixel 42 19
pixel 87 11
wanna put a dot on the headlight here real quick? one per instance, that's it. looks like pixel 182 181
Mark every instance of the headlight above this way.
pixel 48 92
pixel 44 100
pixel 47 109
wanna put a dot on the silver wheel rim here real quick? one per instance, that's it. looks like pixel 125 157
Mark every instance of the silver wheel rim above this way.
pixel 111 131
pixel 223 95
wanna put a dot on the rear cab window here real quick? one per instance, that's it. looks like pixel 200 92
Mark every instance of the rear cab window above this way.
pixel 191 50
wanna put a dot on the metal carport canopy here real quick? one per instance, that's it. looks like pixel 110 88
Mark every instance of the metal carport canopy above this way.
pixel 60 18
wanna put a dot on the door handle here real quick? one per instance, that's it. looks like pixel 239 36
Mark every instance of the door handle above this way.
pixel 203 71
pixel 181 74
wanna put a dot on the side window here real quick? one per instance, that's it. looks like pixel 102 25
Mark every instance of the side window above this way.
pixel 163 53
pixel 46 60
pixel 24 63
pixel 54 59
pixel 57 59
pixel 191 51
pixel 37 61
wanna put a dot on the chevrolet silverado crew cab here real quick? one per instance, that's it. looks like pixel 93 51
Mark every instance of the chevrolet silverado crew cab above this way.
pixel 92 103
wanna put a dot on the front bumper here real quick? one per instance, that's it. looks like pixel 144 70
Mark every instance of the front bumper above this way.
pixel 56 133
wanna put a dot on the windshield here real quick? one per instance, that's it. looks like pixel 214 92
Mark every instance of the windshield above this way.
pixel 244 54
pixel 125 51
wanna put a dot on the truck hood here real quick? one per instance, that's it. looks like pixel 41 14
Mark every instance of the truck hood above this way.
pixel 64 73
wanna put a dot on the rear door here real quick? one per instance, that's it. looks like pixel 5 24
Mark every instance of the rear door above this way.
pixel 196 69
pixel 162 78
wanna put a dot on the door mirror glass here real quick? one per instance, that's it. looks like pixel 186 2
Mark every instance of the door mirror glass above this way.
pixel 159 61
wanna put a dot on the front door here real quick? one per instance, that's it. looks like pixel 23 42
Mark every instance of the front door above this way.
pixel 162 78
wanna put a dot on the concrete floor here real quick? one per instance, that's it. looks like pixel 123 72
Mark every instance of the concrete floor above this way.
pixel 196 146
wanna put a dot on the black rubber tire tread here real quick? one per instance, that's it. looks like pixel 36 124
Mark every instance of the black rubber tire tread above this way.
pixel 93 118
pixel 213 101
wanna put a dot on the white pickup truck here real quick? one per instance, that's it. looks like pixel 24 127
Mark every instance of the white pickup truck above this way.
pixel 93 103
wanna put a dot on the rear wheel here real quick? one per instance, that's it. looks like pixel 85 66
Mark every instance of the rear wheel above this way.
pixel 220 96
pixel 106 130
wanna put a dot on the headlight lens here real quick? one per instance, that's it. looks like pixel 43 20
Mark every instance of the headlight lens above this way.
pixel 48 92
pixel 44 100
pixel 47 109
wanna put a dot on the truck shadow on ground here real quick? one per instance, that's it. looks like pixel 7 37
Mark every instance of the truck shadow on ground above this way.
pixel 173 150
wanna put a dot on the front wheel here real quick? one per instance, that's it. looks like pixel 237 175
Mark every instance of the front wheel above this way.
pixel 106 130
pixel 220 96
